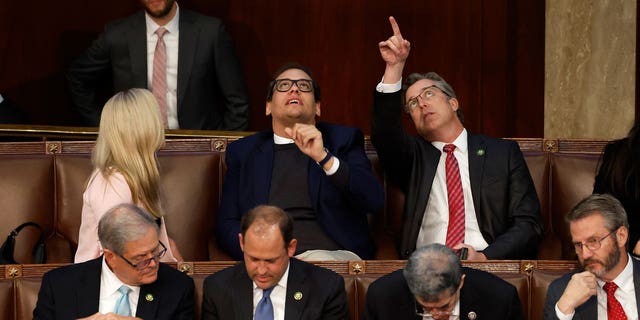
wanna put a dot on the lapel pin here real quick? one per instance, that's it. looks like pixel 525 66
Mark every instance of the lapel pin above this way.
pixel 480 152
pixel 472 315
pixel 297 296
pixel 149 297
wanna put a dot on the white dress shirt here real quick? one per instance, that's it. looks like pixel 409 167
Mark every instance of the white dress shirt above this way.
pixel 278 296
pixel 171 43
pixel 109 294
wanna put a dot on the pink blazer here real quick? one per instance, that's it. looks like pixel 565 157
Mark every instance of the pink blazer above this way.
pixel 101 195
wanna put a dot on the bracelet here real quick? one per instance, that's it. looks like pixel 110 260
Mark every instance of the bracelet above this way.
pixel 326 158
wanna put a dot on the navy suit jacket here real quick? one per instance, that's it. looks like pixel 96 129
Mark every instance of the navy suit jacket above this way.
pixel 504 197
pixel 73 292
pixel 483 293
pixel 341 201
pixel 228 294
pixel 211 91
pixel 589 309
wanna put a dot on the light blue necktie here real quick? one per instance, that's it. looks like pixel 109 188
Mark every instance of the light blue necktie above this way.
pixel 264 309
pixel 122 305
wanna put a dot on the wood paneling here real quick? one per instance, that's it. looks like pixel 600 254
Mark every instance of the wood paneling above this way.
pixel 491 51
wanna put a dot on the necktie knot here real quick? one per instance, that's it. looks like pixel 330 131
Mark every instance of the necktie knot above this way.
pixel 449 148
pixel 161 32
pixel 610 288
pixel 267 292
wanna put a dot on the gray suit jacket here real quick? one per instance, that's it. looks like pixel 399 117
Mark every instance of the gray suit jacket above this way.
pixel 211 90
pixel 589 309
pixel 228 294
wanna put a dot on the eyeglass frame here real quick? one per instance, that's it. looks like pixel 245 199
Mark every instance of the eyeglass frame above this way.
pixel 141 265
pixel 293 82
pixel 410 109
pixel 419 308
pixel 598 242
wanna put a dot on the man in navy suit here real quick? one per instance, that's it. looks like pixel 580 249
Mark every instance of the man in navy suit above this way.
pixel 205 85
pixel 500 216
pixel 435 284
pixel 317 172
pixel 94 289
pixel 599 231
pixel 270 284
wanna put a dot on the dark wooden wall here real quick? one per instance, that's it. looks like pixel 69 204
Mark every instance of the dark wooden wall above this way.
pixel 491 51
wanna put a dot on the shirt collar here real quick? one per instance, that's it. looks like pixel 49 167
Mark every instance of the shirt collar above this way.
pixel 172 26
pixel 460 142
pixel 111 282
pixel 281 140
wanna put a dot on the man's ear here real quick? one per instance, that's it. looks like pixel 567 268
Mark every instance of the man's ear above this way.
pixel 267 108
pixel 291 249
pixel 622 236
pixel 318 110
pixel 241 241
pixel 453 102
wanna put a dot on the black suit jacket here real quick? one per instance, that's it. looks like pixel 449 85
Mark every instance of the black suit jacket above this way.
pixel 589 309
pixel 211 90
pixel 73 292
pixel 485 294
pixel 341 201
pixel 504 197
pixel 228 294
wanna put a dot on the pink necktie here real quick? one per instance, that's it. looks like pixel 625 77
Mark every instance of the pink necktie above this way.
pixel 455 230
pixel 614 308
pixel 159 81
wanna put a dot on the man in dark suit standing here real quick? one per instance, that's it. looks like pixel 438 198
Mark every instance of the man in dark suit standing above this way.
pixel 436 286
pixel 462 189
pixel 608 285
pixel 317 172
pixel 270 284
pixel 126 281
pixel 186 59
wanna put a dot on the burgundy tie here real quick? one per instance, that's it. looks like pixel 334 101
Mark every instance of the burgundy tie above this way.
pixel 159 80
pixel 455 230
pixel 614 308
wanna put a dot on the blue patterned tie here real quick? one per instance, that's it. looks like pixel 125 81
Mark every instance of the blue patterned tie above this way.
pixel 122 305
pixel 264 309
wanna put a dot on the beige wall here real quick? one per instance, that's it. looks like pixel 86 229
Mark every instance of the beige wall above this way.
pixel 589 68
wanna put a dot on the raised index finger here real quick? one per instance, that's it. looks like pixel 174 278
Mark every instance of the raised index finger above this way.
pixel 395 27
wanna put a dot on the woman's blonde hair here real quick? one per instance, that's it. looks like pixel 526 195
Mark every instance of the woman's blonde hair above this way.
pixel 131 131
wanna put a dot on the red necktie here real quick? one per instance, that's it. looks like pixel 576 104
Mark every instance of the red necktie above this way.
pixel 159 80
pixel 614 308
pixel 455 230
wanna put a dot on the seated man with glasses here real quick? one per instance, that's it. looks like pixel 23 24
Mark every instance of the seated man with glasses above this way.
pixel 126 281
pixel 462 189
pixel 608 285
pixel 317 172
pixel 434 285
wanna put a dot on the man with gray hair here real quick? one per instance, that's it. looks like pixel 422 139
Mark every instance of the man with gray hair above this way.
pixel 608 284
pixel 434 285
pixel 126 281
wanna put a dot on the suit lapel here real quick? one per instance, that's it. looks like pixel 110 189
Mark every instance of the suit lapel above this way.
pixel 187 47
pixel 137 43
pixel 315 174
pixel 262 168
pixel 476 157
pixel 242 293
pixel 148 301
pixel 298 291
pixel 88 291
pixel 421 190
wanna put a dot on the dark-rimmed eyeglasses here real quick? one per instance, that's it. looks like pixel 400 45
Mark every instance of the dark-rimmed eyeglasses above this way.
pixel 425 94
pixel 158 253
pixel 284 85
pixel 444 312
pixel 591 244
